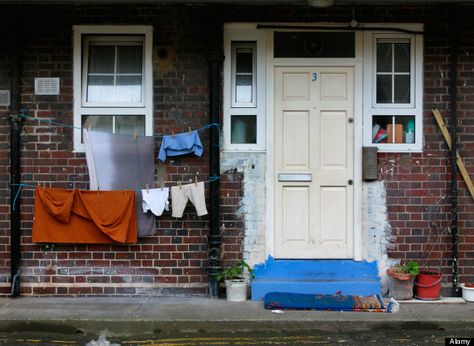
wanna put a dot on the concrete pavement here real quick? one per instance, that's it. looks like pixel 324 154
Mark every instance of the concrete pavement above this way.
pixel 151 315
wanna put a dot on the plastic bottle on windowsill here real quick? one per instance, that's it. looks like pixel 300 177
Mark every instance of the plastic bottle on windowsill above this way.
pixel 410 137
pixel 410 134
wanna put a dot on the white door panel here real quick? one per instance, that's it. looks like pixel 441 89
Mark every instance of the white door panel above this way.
pixel 314 139
pixel 295 148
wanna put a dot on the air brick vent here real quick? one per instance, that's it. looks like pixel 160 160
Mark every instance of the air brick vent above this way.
pixel 46 86
pixel 5 98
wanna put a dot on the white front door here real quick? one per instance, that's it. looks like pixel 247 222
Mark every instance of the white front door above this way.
pixel 314 140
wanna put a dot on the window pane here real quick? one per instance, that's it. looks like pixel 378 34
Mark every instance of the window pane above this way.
pixel 128 89
pixel 384 57
pixel 402 57
pixel 130 124
pixel 393 129
pixel 100 88
pixel 243 129
pixel 314 44
pixel 98 122
pixel 129 59
pixel 384 89
pixel 402 89
pixel 101 59
pixel 244 61
pixel 243 89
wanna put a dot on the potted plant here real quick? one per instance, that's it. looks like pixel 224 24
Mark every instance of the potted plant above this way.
pixel 236 280
pixel 401 279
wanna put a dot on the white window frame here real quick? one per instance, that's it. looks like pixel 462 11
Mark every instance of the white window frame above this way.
pixel 413 108
pixel 244 33
pixel 111 33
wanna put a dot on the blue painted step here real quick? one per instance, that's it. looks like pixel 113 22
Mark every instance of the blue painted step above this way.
pixel 346 277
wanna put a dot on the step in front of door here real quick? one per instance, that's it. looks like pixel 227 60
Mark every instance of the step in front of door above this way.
pixel 361 287
pixel 345 277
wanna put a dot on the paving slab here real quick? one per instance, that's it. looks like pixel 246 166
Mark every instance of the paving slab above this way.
pixel 151 315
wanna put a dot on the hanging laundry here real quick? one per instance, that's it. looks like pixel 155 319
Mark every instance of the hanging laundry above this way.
pixel 192 192
pixel 86 217
pixel 156 200
pixel 181 144
pixel 122 162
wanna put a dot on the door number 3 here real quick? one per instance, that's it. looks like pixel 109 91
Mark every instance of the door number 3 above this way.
pixel 314 77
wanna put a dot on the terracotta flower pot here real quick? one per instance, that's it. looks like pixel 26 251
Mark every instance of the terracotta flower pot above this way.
pixel 393 272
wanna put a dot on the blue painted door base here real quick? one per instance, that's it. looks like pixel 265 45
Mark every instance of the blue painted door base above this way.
pixel 346 277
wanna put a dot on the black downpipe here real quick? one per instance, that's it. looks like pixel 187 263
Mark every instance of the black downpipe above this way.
pixel 215 59
pixel 454 148
pixel 15 150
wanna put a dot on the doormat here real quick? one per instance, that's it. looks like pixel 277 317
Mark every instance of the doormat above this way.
pixel 325 302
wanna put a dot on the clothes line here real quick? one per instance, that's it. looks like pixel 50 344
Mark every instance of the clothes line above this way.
pixel 53 122
pixel 29 185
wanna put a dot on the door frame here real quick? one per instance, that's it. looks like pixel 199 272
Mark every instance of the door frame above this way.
pixel 271 64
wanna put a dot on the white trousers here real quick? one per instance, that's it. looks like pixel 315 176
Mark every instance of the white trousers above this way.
pixel 192 192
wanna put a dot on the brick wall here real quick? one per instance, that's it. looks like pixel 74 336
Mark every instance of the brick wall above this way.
pixel 418 185
pixel 174 261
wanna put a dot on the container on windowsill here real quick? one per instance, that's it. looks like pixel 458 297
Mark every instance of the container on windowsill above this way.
pixel 410 137
pixel 410 134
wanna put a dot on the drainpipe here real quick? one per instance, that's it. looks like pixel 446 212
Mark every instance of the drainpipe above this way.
pixel 15 177
pixel 454 171
pixel 215 59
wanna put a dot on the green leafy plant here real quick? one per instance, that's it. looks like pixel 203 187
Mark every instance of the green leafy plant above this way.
pixel 412 268
pixel 236 271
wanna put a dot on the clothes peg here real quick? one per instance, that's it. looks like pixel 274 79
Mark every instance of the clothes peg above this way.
pixel 147 189
pixel 162 185
pixel 179 184
pixel 135 135
pixel 172 132
pixel 189 129
pixel 196 180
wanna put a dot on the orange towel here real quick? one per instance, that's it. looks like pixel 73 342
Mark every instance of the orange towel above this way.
pixel 75 216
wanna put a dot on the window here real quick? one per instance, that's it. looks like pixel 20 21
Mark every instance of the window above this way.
pixel 243 73
pixel 393 84
pixel 112 80
pixel 244 88
pixel 393 71
pixel 300 44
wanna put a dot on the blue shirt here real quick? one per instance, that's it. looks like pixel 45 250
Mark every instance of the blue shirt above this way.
pixel 180 144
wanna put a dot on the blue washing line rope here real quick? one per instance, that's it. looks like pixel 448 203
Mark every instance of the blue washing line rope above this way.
pixel 156 136
pixel 25 185
pixel 22 185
